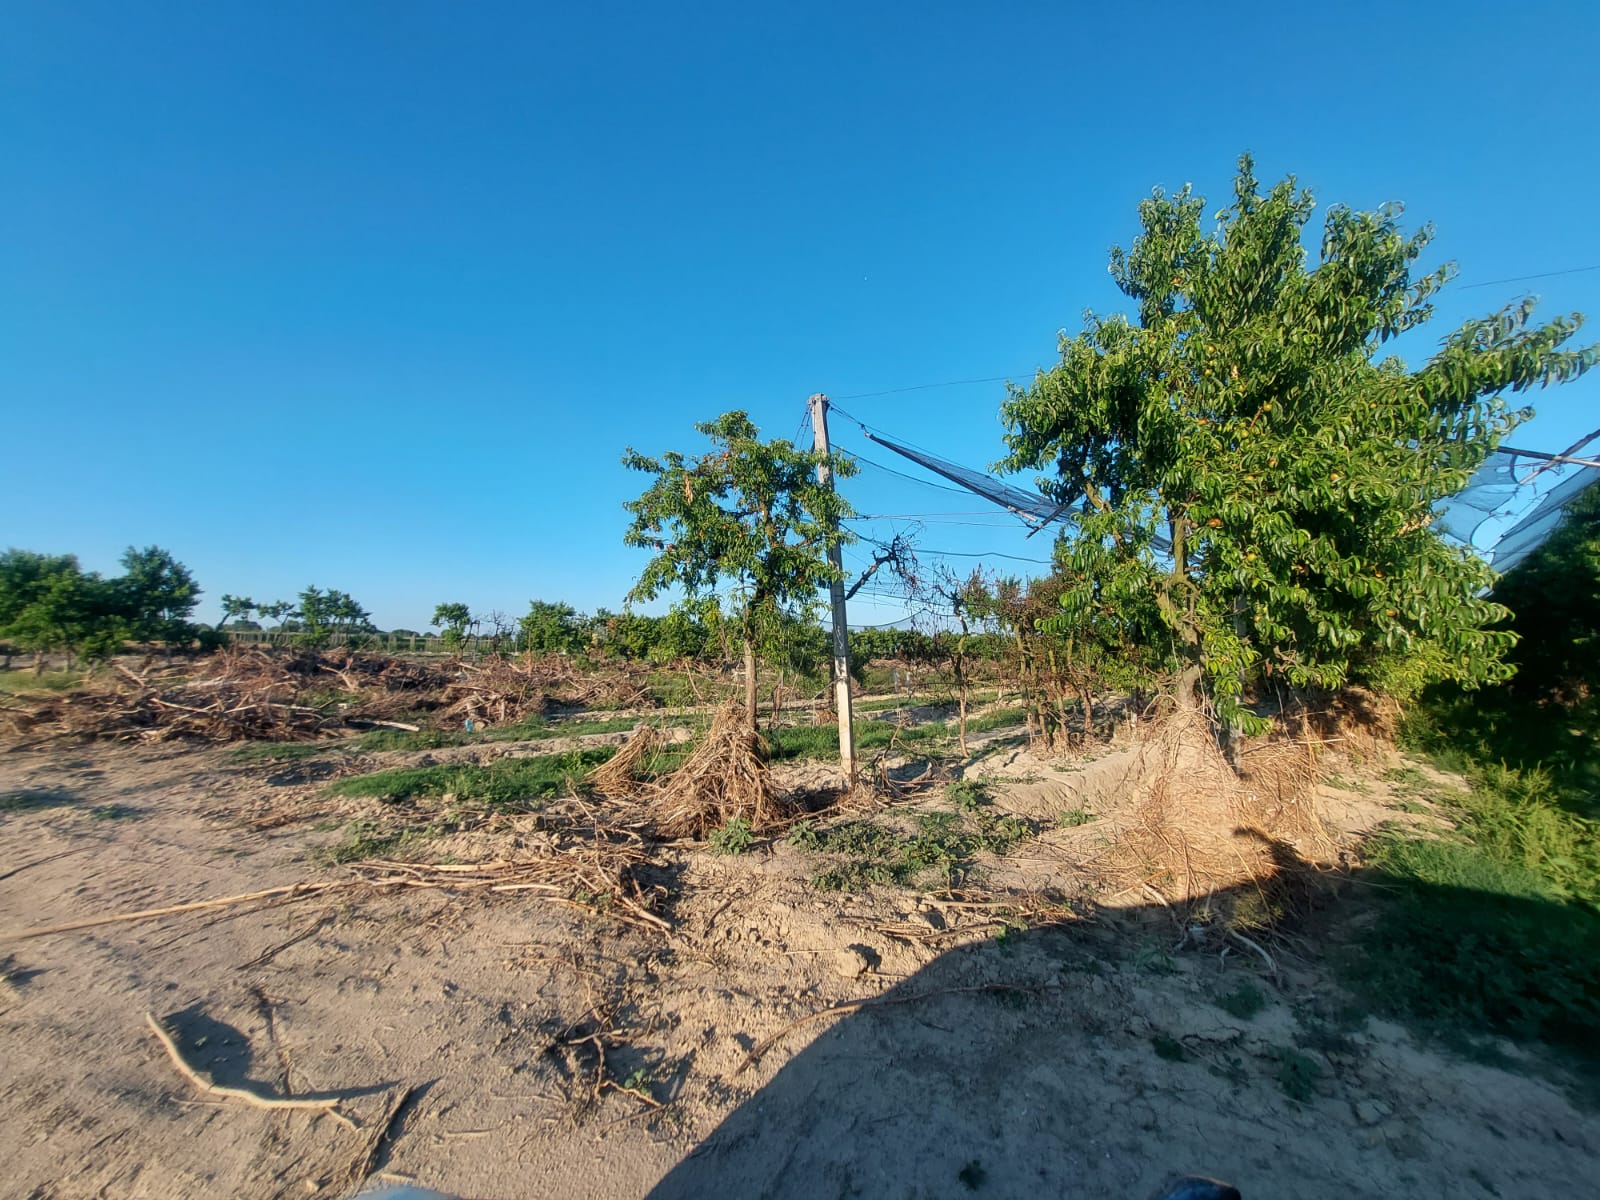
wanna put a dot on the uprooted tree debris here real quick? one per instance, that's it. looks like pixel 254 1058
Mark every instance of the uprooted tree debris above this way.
pixel 237 695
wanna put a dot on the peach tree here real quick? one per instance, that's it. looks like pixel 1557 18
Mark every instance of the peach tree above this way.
pixel 748 516
pixel 1256 485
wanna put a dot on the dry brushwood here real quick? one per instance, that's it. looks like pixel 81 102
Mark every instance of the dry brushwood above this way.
pixel 234 695
pixel 585 876
pixel 1203 826
pixel 615 779
pixel 725 778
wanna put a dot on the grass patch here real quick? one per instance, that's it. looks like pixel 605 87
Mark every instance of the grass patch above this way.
pixel 506 783
pixel 534 729
pixel 1493 927
pixel 1169 1048
pixel 1297 1074
pixel 368 838
pixel 115 812
pixel 822 741
pixel 940 845
pixel 1000 718
pixel 21 683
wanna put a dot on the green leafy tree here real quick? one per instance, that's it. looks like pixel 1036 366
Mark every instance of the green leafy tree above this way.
pixel 455 619
pixel 749 515
pixel 279 611
pixel 1554 599
pixel 551 628
pixel 237 609
pixel 48 603
pixel 26 578
pixel 327 616
pixel 157 595
pixel 1257 486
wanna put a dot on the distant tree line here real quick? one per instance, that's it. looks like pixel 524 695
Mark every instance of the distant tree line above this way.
pixel 50 604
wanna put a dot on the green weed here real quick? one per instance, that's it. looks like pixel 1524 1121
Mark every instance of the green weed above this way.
pixel 1243 1002
pixel 941 844
pixel 1494 927
pixel 503 783
pixel 532 729
pixel 20 683
pixel 733 838
pixel 115 812
pixel 1297 1074
pixel 1169 1048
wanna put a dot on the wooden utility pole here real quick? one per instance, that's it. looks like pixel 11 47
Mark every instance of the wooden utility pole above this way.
pixel 841 631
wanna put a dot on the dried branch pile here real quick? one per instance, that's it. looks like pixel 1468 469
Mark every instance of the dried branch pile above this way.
pixel 618 777
pixel 252 693
pixel 725 778
pixel 576 858
pixel 231 697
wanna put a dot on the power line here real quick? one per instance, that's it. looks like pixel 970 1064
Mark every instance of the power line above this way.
pixel 923 387
pixel 947 521
pixel 1523 278
pixel 890 470
pixel 1045 562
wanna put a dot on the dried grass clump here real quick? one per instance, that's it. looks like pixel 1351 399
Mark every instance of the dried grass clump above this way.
pixel 726 777
pixel 617 777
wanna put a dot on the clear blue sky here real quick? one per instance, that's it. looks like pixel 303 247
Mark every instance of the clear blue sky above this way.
pixel 373 296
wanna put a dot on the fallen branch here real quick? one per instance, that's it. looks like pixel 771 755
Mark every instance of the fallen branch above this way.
pixel 293 891
pixel 322 1103
pixel 373 1150
pixel 1256 946
pixel 839 1010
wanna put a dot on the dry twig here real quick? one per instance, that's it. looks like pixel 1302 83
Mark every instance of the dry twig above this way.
pixel 327 1104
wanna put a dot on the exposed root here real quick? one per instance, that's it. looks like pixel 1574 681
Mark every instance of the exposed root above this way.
pixel 725 778
pixel 1200 826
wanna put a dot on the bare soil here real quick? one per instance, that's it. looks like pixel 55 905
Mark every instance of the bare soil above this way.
pixel 504 1045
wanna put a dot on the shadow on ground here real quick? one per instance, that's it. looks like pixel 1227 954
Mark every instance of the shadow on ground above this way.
pixel 1097 1060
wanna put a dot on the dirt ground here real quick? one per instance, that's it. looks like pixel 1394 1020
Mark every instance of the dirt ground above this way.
pixel 501 1046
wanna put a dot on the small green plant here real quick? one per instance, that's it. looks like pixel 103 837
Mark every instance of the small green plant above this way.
pixel 1169 1048
pixel 1297 1074
pixel 638 1082
pixel 968 795
pixel 805 836
pixel 1153 960
pixel 1007 935
pixel 733 838
pixel 114 812
pixel 1243 1002
pixel 1074 817
pixel 505 783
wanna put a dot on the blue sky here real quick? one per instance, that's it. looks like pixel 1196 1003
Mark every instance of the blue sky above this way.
pixel 373 296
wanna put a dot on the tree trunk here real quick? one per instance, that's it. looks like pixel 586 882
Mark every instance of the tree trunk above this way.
pixel 750 683
pixel 1188 690
pixel 777 703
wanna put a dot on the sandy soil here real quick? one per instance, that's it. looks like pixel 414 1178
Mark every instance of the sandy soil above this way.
pixel 484 1045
